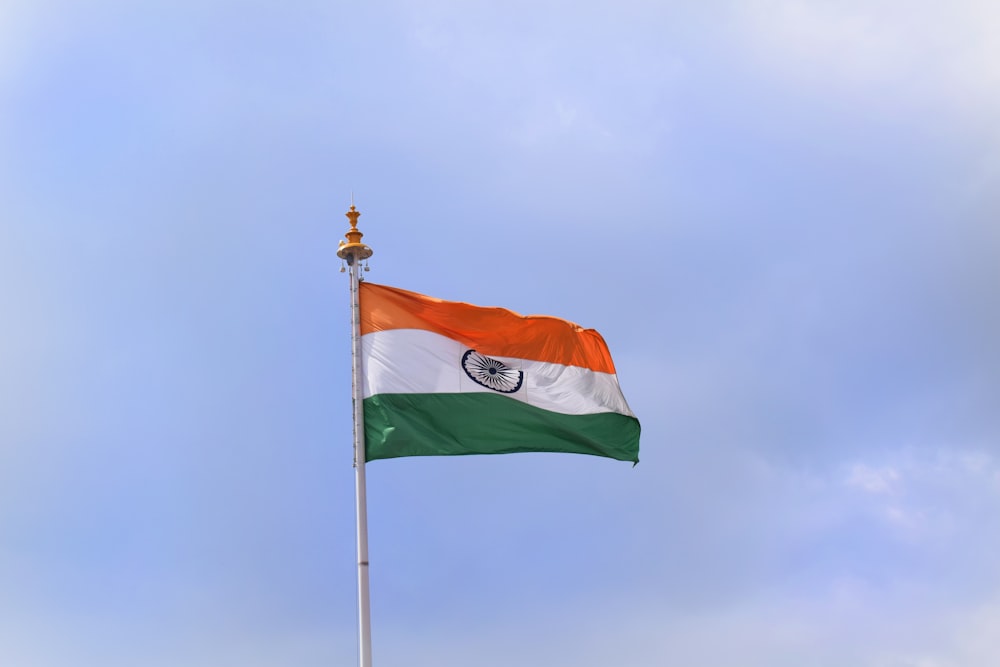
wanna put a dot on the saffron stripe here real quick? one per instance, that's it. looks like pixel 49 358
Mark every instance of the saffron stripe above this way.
pixel 495 332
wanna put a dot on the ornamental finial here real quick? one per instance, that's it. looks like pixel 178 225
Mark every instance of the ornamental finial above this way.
pixel 353 249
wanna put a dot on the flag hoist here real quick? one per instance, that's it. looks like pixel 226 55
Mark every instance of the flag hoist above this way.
pixel 443 378
pixel 353 251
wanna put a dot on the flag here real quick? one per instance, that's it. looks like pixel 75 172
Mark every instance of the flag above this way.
pixel 449 378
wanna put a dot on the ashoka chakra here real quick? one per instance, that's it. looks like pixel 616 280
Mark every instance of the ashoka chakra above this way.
pixel 491 373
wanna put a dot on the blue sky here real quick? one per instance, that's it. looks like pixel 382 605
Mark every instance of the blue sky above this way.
pixel 782 216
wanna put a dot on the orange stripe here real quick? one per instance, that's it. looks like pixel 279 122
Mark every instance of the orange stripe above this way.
pixel 491 331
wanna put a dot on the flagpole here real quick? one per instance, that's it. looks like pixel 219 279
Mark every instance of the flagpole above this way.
pixel 353 251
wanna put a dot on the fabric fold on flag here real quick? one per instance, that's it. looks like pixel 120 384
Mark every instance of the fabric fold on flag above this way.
pixel 449 378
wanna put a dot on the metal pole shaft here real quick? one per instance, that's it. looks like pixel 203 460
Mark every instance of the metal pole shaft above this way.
pixel 361 505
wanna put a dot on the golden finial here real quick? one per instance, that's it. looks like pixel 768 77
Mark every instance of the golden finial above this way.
pixel 353 248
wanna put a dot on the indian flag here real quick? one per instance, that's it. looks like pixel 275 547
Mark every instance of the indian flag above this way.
pixel 448 378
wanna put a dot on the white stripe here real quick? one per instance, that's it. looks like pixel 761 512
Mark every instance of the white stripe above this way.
pixel 414 361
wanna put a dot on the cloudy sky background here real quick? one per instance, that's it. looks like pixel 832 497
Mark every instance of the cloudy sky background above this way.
pixel 784 217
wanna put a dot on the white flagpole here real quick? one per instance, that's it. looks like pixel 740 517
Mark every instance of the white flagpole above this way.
pixel 354 252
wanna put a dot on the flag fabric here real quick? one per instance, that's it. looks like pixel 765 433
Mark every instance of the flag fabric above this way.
pixel 449 378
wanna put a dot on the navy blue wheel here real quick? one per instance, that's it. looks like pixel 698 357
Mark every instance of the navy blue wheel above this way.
pixel 491 373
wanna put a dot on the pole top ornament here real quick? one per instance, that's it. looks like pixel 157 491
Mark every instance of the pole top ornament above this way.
pixel 353 248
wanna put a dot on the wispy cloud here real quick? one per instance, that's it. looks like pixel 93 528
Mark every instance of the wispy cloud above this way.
pixel 918 48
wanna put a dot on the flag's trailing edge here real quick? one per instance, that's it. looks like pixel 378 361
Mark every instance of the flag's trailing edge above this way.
pixel 450 378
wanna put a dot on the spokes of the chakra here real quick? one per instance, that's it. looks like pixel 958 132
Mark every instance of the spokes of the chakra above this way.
pixel 491 373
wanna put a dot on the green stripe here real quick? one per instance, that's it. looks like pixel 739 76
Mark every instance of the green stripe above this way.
pixel 481 423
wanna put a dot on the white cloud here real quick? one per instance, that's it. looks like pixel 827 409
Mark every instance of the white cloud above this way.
pixel 11 34
pixel 825 38
pixel 930 496
pixel 873 480
pixel 57 638
pixel 976 637
pixel 843 623
pixel 597 80
pixel 945 53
